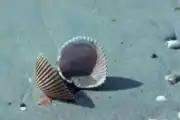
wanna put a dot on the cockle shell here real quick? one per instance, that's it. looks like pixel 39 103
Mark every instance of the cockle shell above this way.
pixel 50 82
pixel 84 61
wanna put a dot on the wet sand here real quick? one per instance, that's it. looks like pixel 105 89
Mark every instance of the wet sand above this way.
pixel 130 31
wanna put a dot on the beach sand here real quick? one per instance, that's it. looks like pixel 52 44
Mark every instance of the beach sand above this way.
pixel 130 31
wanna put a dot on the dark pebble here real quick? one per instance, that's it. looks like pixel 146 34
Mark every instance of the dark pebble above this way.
pixel 171 37
pixel 142 91
pixel 9 103
pixel 113 20
pixel 122 42
pixel 97 97
pixel 154 56
pixel 109 97
pixel 22 105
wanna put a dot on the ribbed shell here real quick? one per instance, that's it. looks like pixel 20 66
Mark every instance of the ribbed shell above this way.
pixel 50 82
pixel 99 72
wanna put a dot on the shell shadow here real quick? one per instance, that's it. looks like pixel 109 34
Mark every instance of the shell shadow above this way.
pixel 81 99
pixel 118 83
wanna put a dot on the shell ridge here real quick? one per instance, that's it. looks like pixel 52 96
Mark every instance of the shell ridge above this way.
pixel 49 80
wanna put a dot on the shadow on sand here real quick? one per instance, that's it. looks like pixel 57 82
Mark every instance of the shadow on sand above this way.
pixel 81 99
pixel 118 83
pixel 112 84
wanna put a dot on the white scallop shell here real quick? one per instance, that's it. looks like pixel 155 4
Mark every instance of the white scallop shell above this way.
pixel 173 44
pixel 99 74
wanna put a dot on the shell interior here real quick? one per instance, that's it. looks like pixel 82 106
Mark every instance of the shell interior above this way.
pixel 99 73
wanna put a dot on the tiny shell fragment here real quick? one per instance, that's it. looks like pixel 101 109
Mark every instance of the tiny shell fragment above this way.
pixel 161 98
pixel 172 78
pixel 178 115
pixel 23 107
pixel 173 44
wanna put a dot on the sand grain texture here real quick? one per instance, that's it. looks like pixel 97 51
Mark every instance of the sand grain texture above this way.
pixel 28 27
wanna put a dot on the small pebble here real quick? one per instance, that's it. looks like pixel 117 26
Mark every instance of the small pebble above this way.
pixel 171 37
pixel 9 103
pixel 122 42
pixel 173 44
pixel 109 97
pixel 177 7
pixel 154 56
pixel 172 78
pixel 23 107
pixel 30 80
pixel 161 98
pixel 178 115
pixel 113 20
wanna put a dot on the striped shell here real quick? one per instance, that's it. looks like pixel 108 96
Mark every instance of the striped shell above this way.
pixel 99 74
pixel 49 81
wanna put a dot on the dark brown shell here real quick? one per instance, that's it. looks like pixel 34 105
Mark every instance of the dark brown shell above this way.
pixel 50 82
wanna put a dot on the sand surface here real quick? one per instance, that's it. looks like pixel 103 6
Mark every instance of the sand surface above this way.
pixel 130 32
